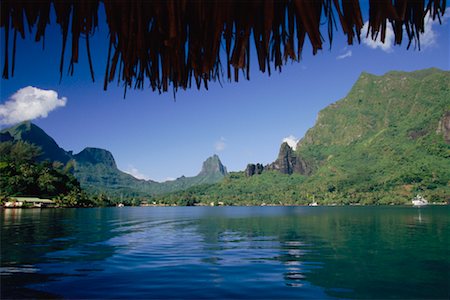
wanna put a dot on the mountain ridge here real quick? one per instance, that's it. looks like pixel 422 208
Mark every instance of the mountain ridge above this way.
pixel 387 140
pixel 97 170
pixel 27 131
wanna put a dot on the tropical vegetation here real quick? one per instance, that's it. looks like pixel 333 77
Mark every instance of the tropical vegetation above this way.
pixel 386 141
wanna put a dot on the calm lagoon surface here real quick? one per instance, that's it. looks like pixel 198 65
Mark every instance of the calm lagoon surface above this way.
pixel 226 252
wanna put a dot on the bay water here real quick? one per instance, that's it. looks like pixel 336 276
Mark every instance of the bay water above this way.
pixel 226 252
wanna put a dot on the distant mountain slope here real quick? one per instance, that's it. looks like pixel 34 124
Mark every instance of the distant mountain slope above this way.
pixel 97 171
pixel 387 140
pixel 212 172
pixel 27 131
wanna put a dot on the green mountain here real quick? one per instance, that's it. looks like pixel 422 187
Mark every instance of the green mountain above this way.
pixel 212 171
pixel 97 171
pixel 28 132
pixel 387 140
pixel 389 134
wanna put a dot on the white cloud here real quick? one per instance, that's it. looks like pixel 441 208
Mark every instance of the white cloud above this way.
pixel 220 144
pixel 29 103
pixel 388 42
pixel 428 39
pixel 291 141
pixel 135 173
pixel 345 55
pixel 169 179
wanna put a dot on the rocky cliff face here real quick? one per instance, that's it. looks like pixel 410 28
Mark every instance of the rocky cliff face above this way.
pixel 289 162
pixel 213 165
pixel 286 161
pixel 254 169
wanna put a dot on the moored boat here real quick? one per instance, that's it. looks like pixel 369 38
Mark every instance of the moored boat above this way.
pixel 419 201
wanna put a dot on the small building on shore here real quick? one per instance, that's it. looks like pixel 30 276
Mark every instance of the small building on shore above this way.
pixel 22 202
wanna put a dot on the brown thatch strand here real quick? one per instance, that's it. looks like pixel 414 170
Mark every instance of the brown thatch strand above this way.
pixel 172 42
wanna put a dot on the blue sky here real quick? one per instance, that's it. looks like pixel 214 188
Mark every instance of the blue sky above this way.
pixel 158 137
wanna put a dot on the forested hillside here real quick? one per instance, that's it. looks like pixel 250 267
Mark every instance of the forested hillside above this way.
pixel 386 141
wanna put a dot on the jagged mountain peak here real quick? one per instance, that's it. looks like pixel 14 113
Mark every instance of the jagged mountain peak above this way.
pixel 213 165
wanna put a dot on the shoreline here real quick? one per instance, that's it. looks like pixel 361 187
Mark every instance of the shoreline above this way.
pixel 204 205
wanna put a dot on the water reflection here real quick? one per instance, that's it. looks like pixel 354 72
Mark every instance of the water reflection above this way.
pixel 295 274
pixel 225 252
pixel 419 217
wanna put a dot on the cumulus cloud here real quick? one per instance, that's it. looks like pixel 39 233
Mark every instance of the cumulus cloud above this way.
pixel 374 44
pixel 29 103
pixel 291 141
pixel 220 144
pixel 348 53
pixel 428 39
pixel 135 173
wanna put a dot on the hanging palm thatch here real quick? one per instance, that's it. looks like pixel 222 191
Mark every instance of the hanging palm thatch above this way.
pixel 173 42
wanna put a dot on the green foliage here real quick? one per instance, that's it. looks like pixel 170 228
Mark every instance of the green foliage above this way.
pixel 269 188
pixel 76 198
pixel 96 169
pixel 381 144
pixel 18 152
pixel 32 134
pixel 23 175
pixel 378 145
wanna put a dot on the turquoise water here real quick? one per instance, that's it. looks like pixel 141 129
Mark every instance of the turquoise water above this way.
pixel 226 252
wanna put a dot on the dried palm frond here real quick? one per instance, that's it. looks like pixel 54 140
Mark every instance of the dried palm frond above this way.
pixel 172 42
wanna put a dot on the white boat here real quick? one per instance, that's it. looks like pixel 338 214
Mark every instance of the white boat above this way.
pixel 313 204
pixel 419 201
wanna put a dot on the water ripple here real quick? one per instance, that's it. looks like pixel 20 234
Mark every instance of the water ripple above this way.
pixel 259 253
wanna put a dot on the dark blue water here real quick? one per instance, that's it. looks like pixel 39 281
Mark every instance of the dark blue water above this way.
pixel 226 252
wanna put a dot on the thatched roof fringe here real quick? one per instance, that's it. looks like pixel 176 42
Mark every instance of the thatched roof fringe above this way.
pixel 170 42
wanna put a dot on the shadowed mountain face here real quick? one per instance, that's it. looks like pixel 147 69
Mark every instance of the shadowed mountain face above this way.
pixel 97 171
pixel 289 162
pixel 95 156
pixel 33 134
